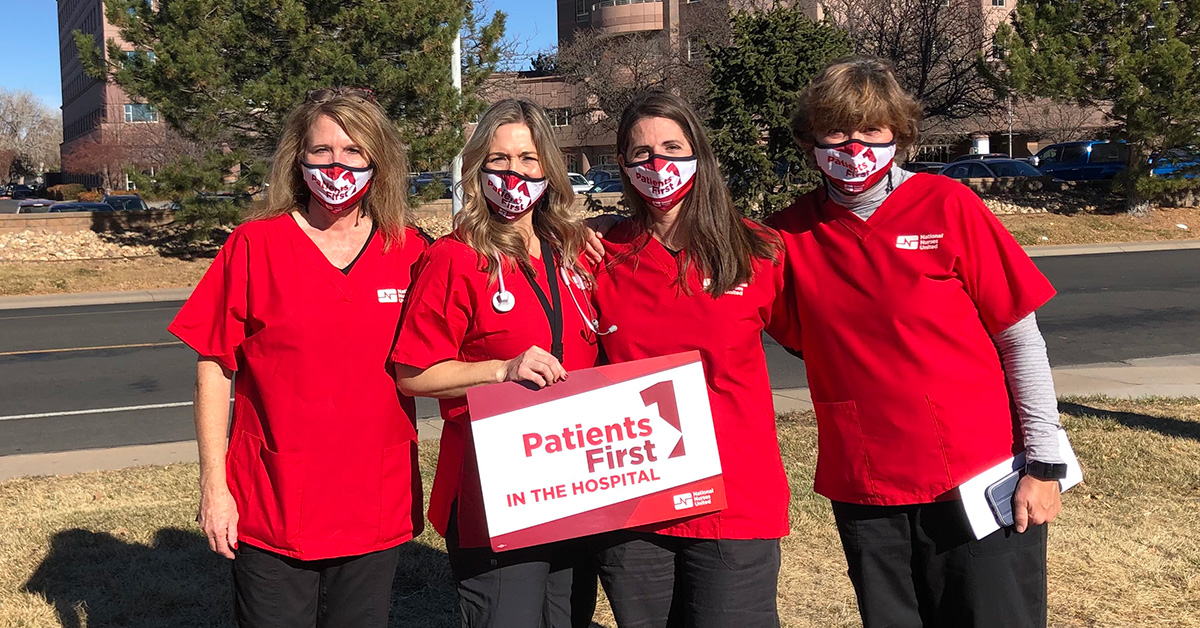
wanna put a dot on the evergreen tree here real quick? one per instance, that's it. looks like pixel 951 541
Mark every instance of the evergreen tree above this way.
pixel 228 71
pixel 1137 59
pixel 753 85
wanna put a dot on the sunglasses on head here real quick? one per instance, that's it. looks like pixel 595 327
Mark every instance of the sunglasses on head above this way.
pixel 326 94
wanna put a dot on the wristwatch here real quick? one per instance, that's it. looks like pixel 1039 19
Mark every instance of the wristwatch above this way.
pixel 1046 470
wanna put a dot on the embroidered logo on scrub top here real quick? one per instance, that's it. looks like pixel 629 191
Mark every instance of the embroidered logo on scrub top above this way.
pixel 926 242
pixel 391 295
pixel 737 291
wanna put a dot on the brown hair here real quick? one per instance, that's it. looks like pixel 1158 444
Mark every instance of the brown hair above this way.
pixel 852 93
pixel 716 237
pixel 489 234
pixel 369 127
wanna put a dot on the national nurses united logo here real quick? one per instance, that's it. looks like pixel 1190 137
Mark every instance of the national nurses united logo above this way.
pixel 925 242
pixel 391 295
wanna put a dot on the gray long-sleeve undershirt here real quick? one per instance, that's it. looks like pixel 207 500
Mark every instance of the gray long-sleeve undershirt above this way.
pixel 1021 347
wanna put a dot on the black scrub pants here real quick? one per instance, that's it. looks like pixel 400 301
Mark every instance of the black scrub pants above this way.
pixel 544 586
pixel 275 591
pixel 659 581
pixel 919 566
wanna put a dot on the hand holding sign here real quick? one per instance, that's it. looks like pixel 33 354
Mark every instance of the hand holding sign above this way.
pixel 600 452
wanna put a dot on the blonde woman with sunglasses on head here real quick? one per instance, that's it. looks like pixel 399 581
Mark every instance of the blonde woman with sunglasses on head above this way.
pixel 317 487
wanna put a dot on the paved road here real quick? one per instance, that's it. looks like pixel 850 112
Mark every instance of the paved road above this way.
pixel 1109 308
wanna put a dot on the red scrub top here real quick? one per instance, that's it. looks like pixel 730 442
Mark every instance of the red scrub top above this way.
pixel 450 317
pixel 637 291
pixel 322 460
pixel 895 316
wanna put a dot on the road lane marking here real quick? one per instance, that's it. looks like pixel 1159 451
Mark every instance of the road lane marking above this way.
pixel 138 345
pixel 148 309
pixel 47 415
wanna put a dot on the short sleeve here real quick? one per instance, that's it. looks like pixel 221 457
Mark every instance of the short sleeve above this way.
pixel 437 311
pixel 783 318
pixel 213 320
pixel 997 274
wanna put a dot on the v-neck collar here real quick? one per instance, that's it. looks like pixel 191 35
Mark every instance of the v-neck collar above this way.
pixel 342 281
pixel 854 223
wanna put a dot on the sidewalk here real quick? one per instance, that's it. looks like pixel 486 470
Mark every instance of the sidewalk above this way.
pixel 1172 376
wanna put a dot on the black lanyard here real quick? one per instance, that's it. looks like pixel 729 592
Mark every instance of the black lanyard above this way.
pixel 553 314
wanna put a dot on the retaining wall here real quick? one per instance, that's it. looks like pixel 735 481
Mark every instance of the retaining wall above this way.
pixel 70 222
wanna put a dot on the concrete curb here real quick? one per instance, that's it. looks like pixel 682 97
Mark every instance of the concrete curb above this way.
pixel 94 298
pixel 1123 247
pixel 180 294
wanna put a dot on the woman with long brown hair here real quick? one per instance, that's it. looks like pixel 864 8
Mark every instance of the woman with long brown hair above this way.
pixel 318 486
pixel 487 307
pixel 687 272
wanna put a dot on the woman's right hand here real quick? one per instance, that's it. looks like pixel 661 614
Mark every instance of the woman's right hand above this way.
pixel 535 365
pixel 218 517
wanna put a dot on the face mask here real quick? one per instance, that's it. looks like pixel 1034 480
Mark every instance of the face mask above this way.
pixel 337 187
pixel 855 166
pixel 510 194
pixel 662 181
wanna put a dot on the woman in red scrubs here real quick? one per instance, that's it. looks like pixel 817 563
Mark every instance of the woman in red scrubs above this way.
pixel 318 486
pixel 914 310
pixel 500 299
pixel 687 272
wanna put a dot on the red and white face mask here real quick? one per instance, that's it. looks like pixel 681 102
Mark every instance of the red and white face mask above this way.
pixel 337 187
pixel 853 165
pixel 511 194
pixel 662 181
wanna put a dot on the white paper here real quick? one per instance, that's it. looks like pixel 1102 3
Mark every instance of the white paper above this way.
pixel 973 491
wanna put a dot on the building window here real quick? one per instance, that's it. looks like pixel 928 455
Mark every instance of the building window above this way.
pixel 695 49
pixel 997 3
pixel 997 51
pixel 135 112
pixel 559 117
pixel 581 10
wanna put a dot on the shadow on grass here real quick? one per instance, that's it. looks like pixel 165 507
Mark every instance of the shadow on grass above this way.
pixel 1161 425
pixel 98 579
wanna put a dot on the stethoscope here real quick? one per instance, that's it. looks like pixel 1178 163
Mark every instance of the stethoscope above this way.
pixel 503 301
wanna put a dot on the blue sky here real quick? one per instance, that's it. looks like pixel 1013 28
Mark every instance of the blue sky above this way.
pixel 29 46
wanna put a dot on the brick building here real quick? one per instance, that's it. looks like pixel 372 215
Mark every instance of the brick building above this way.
pixel 94 111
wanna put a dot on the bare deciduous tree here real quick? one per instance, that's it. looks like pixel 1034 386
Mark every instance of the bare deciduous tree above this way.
pixel 1057 121
pixel 608 70
pixel 936 46
pixel 31 131
pixel 120 147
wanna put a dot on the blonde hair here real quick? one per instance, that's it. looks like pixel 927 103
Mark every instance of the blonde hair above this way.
pixel 489 234
pixel 369 127
pixel 853 93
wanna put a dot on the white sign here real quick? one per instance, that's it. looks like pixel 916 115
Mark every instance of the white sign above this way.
pixel 611 447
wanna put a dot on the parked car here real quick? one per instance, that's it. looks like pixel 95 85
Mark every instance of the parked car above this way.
pixel 1082 161
pixel 21 191
pixel 603 172
pixel 990 169
pixel 81 206
pixel 579 183
pixel 1176 163
pixel 34 206
pixel 608 185
pixel 126 202
pixel 979 156
pixel 924 166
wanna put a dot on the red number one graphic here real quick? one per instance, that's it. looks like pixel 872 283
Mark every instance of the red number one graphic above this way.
pixel 663 394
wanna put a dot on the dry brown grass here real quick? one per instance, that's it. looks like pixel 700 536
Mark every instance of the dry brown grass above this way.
pixel 1093 228
pixel 139 273
pixel 119 549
